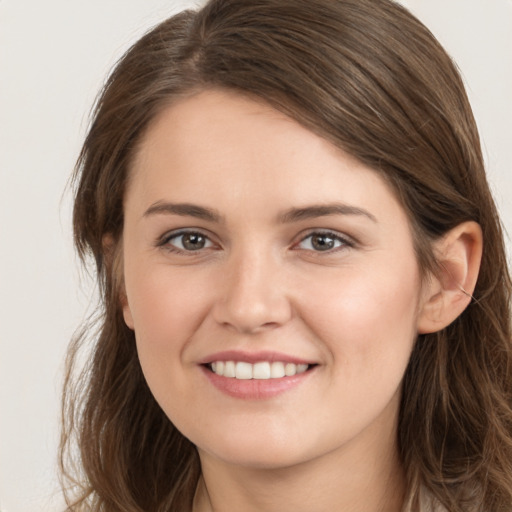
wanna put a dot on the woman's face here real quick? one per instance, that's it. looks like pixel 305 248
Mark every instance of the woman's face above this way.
pixel 254 248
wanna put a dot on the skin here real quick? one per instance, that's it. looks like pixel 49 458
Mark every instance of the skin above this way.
pixel 259 284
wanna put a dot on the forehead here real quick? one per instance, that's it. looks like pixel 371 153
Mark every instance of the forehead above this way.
pixel 223 149
pixel 218 121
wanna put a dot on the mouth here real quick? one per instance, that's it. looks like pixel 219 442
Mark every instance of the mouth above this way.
pixel 256 375
pixel 261 370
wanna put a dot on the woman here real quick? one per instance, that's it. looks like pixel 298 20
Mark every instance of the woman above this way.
pixel 306 303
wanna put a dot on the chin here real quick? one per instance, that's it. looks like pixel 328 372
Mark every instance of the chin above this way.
pixel 263 451
pixel 258 459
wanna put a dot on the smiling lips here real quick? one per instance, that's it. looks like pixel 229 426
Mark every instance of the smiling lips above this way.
pixel 255 376
pixel 261 370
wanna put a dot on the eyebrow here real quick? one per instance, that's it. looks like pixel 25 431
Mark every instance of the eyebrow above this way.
pixel 288 216
pixel 310 212
pixel 183 209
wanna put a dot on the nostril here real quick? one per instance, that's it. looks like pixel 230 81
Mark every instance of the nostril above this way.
pixel 250 315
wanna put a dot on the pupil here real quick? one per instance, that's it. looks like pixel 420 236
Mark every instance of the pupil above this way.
pixel 322 242
pixel 193 241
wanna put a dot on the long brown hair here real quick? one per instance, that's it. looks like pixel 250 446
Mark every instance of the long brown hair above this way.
pixel 370 78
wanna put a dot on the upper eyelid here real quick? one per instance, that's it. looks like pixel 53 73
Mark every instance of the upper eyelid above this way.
pixel 168 235
pixel 349 240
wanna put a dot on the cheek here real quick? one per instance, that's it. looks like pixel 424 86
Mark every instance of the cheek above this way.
pixel 368 326
pixel 369 318
pixel 167 307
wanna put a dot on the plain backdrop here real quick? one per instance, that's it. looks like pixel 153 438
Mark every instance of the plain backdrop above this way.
pixel 54 57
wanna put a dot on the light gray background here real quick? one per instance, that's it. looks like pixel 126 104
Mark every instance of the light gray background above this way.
pixel 54 56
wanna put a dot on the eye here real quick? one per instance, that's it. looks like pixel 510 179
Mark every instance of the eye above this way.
pixel 322 242
pixel 187 241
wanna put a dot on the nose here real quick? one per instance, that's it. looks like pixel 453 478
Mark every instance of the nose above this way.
pixel 253 295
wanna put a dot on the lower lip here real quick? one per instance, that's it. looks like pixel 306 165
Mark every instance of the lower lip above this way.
pixel 255 389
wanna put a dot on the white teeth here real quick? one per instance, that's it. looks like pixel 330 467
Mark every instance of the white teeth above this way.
pixel 243 370
pixel 229 369
pixel 290 369
pixel 262 370
pixel 277 370
pixel 301 368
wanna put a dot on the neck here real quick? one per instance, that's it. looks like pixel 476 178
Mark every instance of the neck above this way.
pixel 353 480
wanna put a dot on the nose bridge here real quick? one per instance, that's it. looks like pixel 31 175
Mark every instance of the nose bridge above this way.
pixel 253 296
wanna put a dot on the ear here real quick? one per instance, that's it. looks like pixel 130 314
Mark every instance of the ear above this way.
pixel 127 313
pixel 447 293
pixel 113 254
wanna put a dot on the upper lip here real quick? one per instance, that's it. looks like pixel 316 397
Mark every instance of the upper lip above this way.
pixel 253 357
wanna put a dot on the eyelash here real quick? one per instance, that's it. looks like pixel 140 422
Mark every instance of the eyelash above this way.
pixel 164 242
pixel 343 242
